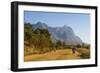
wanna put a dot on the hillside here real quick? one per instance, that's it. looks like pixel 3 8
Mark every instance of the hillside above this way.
pixel 64 34
pixel 42 42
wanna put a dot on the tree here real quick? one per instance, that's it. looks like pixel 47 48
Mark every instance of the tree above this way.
pixel 58 44
pixel 28 32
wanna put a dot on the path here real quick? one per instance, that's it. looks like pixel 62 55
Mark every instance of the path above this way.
pixel 65 54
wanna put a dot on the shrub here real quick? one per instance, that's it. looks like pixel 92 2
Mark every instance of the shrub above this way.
pixel 84 53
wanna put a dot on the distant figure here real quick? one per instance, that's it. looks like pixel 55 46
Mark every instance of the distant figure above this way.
pixel 74 50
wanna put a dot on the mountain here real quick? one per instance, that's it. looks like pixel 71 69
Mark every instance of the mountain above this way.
pixel 64 34
pixel 40 25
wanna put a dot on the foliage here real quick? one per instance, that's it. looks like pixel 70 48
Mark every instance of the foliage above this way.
pixel 85 53
pixel 37 38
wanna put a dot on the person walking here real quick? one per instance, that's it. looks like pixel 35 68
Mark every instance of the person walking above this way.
pixel 74 50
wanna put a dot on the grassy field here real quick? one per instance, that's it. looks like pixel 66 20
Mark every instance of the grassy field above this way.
pixel 63 54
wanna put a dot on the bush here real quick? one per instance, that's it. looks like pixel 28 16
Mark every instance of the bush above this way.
pixel 84 53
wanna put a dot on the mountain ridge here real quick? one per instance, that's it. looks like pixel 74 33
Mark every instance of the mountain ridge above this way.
pixel 64 34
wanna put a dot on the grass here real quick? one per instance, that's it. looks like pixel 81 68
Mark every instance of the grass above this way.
pixel 84 53
pixel 63 54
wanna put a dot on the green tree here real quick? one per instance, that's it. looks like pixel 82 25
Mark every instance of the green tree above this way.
pixel 58 44
pixel 28 32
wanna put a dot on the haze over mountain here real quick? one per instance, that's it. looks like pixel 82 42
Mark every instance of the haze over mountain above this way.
pixel 64 33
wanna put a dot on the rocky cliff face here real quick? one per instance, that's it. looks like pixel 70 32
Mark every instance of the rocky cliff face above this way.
pixel 64 33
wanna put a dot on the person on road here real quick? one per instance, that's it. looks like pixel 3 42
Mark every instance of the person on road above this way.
pixel 73 50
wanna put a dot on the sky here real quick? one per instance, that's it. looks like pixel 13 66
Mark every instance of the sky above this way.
pixel 79 22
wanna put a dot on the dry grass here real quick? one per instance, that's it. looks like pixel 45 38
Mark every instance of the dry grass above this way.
pixel 84 53
pixel 64 54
